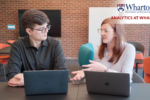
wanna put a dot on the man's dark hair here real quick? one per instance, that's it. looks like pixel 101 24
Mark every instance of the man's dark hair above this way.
pixel 32 17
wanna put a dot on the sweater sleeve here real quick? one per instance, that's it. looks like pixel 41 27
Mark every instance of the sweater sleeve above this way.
pixel 129 57
pixel 128 63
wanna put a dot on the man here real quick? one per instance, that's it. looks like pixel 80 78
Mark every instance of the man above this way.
pixel 37 51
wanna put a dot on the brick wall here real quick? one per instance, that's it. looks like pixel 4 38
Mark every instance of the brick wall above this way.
pixel 139 33
pixel 74 19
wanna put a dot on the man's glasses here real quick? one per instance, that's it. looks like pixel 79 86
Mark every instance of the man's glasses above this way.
pixel 43 30
pixel 105 31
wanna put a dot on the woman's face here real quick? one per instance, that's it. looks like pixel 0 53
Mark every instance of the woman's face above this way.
pixel 107 33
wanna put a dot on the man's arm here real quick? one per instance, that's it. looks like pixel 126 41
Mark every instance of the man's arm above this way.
pixel 59 59
pixel 17 80
pixel 14 63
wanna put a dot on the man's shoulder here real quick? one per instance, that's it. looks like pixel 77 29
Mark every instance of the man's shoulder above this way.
pixel 20 41
pixel 52 40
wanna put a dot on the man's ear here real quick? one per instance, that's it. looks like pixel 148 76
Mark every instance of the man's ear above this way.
pixel 28 30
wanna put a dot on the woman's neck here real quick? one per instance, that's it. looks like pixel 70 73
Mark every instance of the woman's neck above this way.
pixel 111 45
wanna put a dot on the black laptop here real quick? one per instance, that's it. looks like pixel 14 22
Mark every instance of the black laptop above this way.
pixel 108 83
pixel 46 82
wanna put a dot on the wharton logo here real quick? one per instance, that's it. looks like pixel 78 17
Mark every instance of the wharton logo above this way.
pixel 132 8
pixel 120 7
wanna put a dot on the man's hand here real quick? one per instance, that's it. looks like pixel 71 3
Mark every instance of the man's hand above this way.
pixel 94 66
pixel 17 80
pixel 79 75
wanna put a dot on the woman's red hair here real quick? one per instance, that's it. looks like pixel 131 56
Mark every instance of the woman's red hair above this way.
pixel 118 49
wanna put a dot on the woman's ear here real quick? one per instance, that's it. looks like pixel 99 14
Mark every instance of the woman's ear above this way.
pixel 28 30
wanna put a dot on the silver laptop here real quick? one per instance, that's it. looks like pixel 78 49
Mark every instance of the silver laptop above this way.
pixel 108 83
pixel 46 82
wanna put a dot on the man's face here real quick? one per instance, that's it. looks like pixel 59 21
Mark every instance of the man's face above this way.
pixel 39 32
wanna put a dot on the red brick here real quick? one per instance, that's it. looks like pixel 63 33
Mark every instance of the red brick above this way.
pixel 74 14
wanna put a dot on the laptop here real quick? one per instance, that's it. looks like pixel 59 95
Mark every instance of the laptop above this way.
pixel 46 82
pixel 108 83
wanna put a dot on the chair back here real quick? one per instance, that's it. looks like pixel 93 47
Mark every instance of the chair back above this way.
pixel 136 78
pixel 146 68
pixel 146 63
pixel 86 53
pixel 138 46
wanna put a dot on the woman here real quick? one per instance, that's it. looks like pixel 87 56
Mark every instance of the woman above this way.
pixel 113 55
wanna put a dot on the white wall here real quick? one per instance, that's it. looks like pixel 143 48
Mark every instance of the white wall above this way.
pixel 96 16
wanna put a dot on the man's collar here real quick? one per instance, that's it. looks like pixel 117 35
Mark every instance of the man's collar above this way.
pixel 28 44
pixel 45 42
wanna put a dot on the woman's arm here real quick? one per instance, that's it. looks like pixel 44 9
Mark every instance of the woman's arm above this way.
pixel 128 61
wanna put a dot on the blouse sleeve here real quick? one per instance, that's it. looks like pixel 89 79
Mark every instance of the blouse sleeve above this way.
pixel 128 63
pixel 129 57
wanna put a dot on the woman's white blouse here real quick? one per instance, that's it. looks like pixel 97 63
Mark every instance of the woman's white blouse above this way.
pixel 124 64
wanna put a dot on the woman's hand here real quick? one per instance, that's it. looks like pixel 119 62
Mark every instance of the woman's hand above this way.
pixel 95 66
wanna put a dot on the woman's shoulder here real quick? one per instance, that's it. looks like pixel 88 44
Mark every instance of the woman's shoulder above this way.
pixel 128 46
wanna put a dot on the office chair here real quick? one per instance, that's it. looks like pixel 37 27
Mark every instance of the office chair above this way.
pixel 10 42
pixel 146 68
pixel 140 50
pixel 4 59
pixel 86 53
pixel 2 45
pixel 136 78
